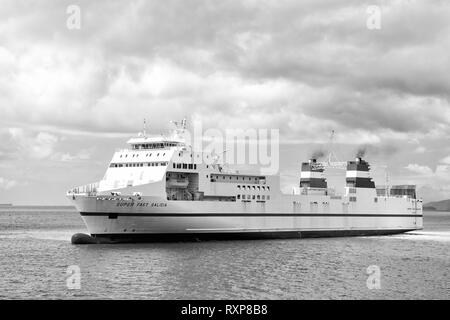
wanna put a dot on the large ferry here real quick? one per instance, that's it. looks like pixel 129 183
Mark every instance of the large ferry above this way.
pixel 161 189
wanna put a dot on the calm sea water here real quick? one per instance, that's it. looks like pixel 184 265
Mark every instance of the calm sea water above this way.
pixel 35 252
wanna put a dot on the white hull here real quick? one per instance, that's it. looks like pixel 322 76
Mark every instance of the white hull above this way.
pixel 155 217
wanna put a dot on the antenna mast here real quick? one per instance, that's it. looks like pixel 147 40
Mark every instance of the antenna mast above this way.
pixel 144 131
pixel 387 191
pixel 332 156
pixel 332 161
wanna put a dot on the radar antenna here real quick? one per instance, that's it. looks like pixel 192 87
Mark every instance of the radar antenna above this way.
pixel 180 127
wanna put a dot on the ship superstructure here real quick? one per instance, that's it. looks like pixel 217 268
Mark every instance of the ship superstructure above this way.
pixel 161 188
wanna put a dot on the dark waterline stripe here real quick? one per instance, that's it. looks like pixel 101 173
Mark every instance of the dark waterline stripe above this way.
pixel 169 237
pixel 244 214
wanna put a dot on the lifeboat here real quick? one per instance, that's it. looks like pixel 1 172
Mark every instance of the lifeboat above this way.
pixel 177 183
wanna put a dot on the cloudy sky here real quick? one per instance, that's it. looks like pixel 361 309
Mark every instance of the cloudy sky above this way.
pixel 69 97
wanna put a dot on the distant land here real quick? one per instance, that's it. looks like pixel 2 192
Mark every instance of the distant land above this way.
pixel 5 204
pixel 39 206
pixel 443 205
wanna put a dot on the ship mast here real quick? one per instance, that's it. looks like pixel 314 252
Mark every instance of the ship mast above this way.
pixel 144 129
pixel 332 160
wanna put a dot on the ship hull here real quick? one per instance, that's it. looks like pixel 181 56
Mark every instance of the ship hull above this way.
pixel 153 219
pixel 255 235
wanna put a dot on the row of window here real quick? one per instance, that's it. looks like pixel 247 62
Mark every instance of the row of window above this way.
pixel 140 164
pixel 312 203
pixel 253 197
pixel 191 155
pixel 217 177
pixel 137 155
pixel 264 188
pixel 185 166
pixel 154 145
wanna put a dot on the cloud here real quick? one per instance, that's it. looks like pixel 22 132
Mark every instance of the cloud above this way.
pixel 25 144
pixel 263 61
pixel 7 184
pixel 433 192
pixel 304 67
pixel 67 157
pixel 445 160
pixel 420 149
pixel 422 170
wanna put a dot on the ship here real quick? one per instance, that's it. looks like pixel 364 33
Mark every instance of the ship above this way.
pixel 159 188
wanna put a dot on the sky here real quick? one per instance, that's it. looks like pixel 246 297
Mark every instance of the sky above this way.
pixel 73 90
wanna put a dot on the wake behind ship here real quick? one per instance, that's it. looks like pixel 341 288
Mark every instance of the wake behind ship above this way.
pixel 161 189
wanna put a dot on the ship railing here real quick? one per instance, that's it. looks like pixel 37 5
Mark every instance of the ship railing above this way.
pixel 88 190
pixel 398 196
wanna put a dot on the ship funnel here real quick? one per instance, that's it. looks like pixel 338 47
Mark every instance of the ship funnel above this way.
pixel 312 176
pixel 358 174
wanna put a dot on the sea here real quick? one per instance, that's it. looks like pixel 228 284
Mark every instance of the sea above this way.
pixel 38 261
